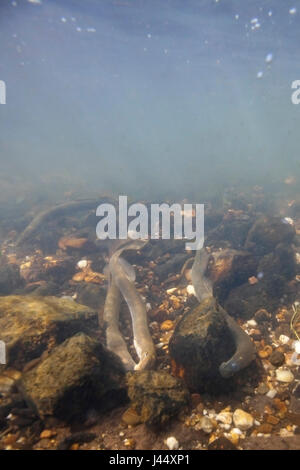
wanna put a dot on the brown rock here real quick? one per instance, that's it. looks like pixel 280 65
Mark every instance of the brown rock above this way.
pixel 277 358
pixel 265 428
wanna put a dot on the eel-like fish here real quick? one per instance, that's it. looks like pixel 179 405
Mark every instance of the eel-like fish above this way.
pixel 123 280
pixel 59 209
pixel 245 349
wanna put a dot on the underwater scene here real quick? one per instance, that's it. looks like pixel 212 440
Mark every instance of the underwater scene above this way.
pixel 149 225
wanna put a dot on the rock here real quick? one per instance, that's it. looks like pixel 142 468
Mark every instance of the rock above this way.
pixel 277 358
pixel 167 325
pixel 224 417
pixel 262 315
pixel 91 295
pixel 242 420
pixel 10 279
pixel 284 375
pixel 280 263
pixel 243 301
pixel 78 375
pixel 267 233
pixel 222 443
pixel 29 325
pixel 47 434
pixel 172 443
pixel 206 425
pixel 230 268
pixel 156 396
pixel 200 343
pixel 233 229
pixel 131 418
pixel 265 428
pixel 57 269
pixel 72 243
pixel 262 389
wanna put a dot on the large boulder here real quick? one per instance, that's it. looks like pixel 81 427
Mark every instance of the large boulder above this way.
pixel 78 375
pixel 200 343
pixel 30 325
pixel 156 396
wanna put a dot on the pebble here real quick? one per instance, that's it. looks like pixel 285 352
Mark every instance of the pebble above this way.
pixel 224 417
pixel 271 393
pixel 242 420
pixel 283 339
pixel 47 434
pixel 82 264
pixel 265 428
pixel 283 375
pixel 206 425
pixel 296 346
pixel 190 290
pixel 129 443
pixel 252 323
pixel 167 325
pixel 172 443
pixel 272 420
pixel 277 358
pixel 131 417
pixel 262 389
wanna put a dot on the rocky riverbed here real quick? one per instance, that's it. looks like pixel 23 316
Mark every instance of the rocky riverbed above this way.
pixel 62 389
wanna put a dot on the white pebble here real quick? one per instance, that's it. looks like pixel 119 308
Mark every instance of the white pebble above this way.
pixel 252 323
pixel 82 264
pixel 237 431
pixel 172 443
pixel 242 420
pixel 148 307
pixel 190 290
pixel 173 289
pixel 296 346
pixel 284 339
pixel 284 375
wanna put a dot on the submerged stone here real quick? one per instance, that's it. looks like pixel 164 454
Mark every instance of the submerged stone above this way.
pixel 267 233
pixel 30 325
pixel 78 375
pixel 156 395
pixel 200 343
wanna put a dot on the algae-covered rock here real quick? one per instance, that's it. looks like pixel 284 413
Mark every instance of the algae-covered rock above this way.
pixel 156 396
pixel 267 233
pixel 78 375
pixel 29 325
pixel 10 279
pixel 200 343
